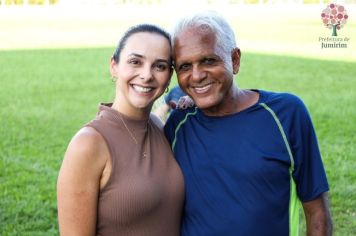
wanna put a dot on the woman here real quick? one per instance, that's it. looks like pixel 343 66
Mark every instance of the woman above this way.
pixel 118 176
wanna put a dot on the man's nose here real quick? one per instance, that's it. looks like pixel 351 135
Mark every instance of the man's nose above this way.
pixel 198 74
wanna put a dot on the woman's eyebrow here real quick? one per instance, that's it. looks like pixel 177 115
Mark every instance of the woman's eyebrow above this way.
pixel 142 56
pixel 163 60
pixel 136 55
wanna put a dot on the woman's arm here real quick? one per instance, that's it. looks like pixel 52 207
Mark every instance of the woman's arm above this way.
pixel 79 183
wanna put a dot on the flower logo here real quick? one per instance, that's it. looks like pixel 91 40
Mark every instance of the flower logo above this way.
pixel 334 17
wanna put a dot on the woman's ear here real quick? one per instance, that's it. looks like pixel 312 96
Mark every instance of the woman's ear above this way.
pixel 236 56
pixel 113 68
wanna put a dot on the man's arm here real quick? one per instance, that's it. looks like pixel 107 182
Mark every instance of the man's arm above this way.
pixel 317 215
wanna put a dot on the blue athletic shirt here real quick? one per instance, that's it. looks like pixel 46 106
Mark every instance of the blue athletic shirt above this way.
pixel 246 172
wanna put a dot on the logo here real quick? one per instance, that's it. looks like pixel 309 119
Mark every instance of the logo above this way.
pixel 334 17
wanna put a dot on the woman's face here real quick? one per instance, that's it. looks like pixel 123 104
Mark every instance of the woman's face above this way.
pixel 143 72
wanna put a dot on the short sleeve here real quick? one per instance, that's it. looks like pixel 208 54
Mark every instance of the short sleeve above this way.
pixel 309 173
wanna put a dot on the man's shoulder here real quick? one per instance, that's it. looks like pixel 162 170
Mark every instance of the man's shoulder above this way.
pixel 286 104
pixel 176 119
pixel 179 115
pixel 184 112
pixel 281 98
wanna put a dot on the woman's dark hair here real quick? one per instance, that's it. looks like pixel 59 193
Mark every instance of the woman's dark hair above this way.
pixel 142 28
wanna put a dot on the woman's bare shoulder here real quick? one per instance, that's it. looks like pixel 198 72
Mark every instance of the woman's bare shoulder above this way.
pixel 87 148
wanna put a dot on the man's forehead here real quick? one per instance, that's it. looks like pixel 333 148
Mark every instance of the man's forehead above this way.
pixel 189 42
pixel 191 38
pixel 197 32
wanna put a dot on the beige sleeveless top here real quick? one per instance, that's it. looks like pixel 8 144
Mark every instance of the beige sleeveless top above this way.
pixel 145 192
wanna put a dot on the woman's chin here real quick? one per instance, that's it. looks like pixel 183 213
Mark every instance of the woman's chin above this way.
pixel 142 104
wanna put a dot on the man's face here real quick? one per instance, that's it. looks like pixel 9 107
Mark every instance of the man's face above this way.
pixel 203 71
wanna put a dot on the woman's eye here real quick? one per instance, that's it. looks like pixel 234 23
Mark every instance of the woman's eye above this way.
pixel 134 62
pixel 161 67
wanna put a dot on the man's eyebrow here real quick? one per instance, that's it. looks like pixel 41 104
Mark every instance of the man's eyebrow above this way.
pixel 181 62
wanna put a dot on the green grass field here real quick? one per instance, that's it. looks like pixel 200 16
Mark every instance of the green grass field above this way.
pixel 47 95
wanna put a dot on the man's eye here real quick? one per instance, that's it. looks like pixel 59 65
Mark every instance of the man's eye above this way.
pixel 209 61
pixel 184 67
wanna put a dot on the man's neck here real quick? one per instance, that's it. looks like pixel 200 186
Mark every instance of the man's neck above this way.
pixel 235 100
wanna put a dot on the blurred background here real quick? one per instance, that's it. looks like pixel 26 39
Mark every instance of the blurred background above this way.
pixel 274 26
pixel 54 71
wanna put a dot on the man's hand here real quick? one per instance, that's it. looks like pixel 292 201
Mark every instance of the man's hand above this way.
pixel 184 102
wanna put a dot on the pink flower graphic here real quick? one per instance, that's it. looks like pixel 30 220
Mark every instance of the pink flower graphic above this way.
pixel 334 17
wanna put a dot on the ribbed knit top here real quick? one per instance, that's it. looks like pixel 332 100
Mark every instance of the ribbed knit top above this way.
pixel 144 194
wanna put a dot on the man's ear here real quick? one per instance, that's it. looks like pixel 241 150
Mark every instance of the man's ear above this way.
pixel 236 56
pixel 113 68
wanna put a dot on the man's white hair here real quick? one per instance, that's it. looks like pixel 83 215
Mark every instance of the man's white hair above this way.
pixel 213 22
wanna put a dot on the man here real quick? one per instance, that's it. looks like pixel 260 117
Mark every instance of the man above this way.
pixel 248 156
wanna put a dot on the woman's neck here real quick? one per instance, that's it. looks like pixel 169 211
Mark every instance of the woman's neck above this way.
pixel 135 113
